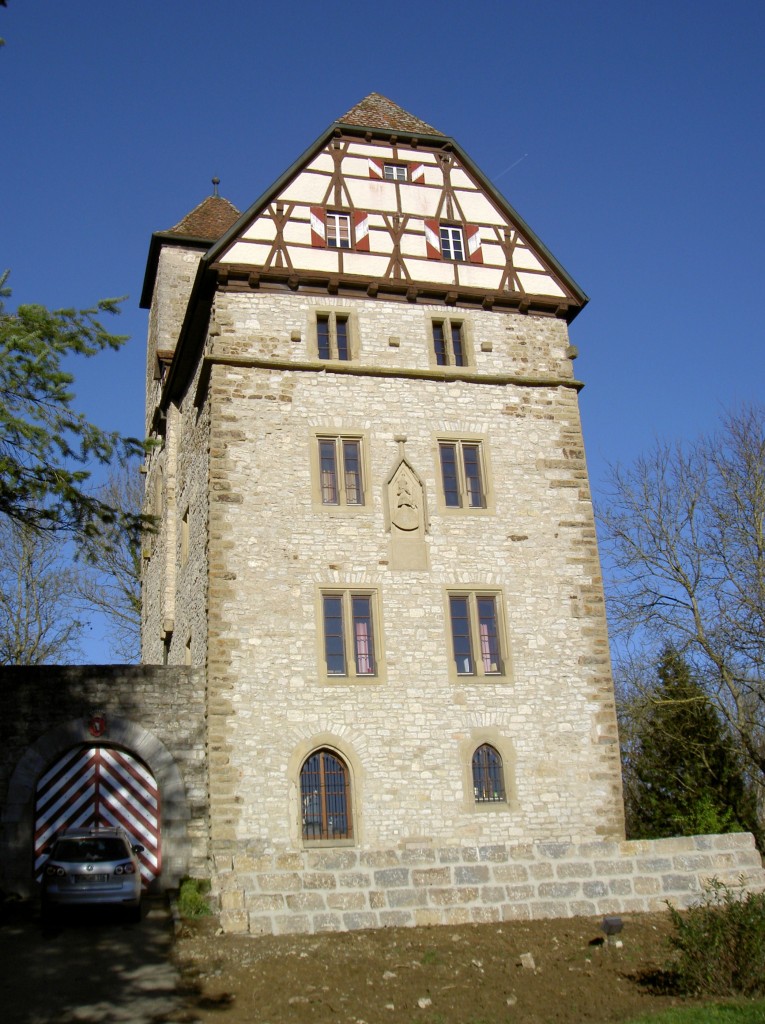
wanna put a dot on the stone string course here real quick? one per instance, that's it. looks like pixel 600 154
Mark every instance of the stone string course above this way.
pixel 344 889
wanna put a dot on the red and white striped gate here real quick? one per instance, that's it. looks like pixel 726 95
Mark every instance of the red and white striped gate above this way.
pixel 100 786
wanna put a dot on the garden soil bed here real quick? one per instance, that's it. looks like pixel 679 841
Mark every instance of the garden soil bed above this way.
pixel 468 974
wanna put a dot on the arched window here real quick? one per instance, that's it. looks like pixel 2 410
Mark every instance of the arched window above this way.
pixel 488 777
pixel 325 797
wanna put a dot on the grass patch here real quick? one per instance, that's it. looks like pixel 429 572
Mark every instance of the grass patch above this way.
pixel 712 1013
pixel 192 898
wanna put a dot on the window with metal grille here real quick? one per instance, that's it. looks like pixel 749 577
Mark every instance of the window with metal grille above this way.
pixel 340 471
pixel 349 633
pixel 325 797
pixel 449 343
pixel 488 777
pixel 452 244
pixel 476 635
pixel 338 230
pixel 333 336
pixel 462 474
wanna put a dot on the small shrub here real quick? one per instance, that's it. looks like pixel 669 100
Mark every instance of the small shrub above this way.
pixel 192 901
pixel 719 942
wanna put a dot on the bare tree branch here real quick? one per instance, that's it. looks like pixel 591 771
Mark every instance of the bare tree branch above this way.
pixel 685 530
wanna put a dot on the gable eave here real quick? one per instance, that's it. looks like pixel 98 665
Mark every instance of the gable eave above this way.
pixel 509 210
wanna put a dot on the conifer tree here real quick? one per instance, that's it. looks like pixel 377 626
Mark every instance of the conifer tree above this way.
pixel 683 773
pixel 47 447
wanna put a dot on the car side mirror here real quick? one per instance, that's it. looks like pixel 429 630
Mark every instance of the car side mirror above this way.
pixel 138 848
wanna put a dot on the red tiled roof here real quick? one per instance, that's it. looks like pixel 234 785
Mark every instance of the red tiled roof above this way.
pixel 211 219
pixel 376 111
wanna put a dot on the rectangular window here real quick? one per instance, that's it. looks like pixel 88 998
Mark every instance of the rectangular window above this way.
pixel 338 227
pixel 332 336
pixel 449 343
pixel 452 245
pixel 476 634
pixel 340 473
pixel 394 172
pixel 462 474
pixel 349 636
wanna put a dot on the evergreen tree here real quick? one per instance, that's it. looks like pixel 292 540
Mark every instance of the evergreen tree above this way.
pixel 46 446
pixel 683 773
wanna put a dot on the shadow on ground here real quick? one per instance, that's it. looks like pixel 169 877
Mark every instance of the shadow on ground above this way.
pixel 87 966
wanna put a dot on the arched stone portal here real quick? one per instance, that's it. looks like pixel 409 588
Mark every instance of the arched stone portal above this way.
pixel 99 786
pixel 72 744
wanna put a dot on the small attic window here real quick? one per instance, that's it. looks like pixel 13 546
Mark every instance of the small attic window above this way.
pixel 338 230
pixel 395 172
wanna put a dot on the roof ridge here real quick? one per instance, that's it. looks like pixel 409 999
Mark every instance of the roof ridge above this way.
pixel 377 111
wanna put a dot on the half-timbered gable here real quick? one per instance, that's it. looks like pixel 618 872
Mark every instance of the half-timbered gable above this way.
pixel 401 209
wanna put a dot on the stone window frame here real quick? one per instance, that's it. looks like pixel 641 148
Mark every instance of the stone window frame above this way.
pixel 447 323
pixel 331 314
pixel 484 452
pixel 341 748
pixel 479 675
pixel 488 735
pixel 342 508
pixel 351 677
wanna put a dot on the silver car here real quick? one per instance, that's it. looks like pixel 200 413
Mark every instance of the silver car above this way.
pixel 88 867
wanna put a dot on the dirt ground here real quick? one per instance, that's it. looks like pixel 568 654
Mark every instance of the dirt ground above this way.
pixel 472 974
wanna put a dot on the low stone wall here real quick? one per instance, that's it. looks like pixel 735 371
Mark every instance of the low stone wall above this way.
pixel 343 889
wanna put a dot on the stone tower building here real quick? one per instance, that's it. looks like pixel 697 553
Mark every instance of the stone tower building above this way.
pixel 376 535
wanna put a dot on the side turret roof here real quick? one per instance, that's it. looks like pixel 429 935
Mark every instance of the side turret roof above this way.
pixel 209 219
pixel 199 229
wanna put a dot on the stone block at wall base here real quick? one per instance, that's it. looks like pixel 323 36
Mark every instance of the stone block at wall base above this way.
pixel 305 892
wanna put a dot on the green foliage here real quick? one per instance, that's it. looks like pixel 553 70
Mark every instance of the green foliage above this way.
pixel 45 444
pixel 192 898
pixel 683 772
pixel 719 943
pixel 710 1013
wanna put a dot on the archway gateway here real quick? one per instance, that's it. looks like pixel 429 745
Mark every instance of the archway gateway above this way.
pixel 99 786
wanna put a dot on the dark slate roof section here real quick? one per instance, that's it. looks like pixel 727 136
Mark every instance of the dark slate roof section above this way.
pixel 210 219
pixel 198 230
pixel 376 111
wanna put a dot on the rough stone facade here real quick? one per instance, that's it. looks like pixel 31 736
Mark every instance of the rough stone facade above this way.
pixel 157 714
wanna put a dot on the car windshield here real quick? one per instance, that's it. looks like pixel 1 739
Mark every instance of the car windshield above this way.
pixel 92 849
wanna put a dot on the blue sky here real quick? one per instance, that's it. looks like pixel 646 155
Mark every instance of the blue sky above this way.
pixel 628 135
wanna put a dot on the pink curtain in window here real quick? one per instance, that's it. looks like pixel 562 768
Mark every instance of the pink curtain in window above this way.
pixel 363 649
pixel 486 655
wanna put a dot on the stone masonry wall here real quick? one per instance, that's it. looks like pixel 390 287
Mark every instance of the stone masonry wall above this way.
pixel 345 889
pixel 272 548
pixel 156 714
